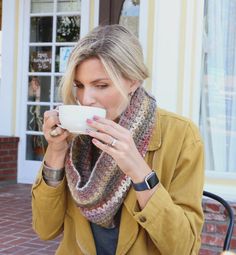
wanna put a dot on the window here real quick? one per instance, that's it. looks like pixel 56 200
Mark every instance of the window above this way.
pixel 54 30
pixel 218 99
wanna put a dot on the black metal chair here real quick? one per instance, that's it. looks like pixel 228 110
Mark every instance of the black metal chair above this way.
pixel 230 212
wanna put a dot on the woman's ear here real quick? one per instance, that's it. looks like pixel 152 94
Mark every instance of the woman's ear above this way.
pixel 133 86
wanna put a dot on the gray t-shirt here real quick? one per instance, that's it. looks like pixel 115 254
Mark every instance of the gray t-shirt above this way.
pixel 106 239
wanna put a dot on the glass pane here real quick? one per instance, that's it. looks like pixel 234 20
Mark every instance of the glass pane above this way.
pixel 62 55
pixel 129 17
pixel 35 117
pixel 41 29
pixel 39 6
pixel 39 88
pixel 40 59
pixel 68 28
pixel 68 6
pixel 57 98
pixel 218 102
pixel 36 146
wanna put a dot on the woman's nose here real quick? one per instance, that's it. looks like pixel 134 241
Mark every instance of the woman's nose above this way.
pixel 87 97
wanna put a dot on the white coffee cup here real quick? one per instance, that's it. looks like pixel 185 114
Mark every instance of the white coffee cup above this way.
pixel 73 117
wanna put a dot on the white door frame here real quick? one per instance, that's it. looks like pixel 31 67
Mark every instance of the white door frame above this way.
pixel 27 169
pixel 8 83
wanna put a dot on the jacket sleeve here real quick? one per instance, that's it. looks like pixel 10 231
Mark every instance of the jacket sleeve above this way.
pixel 48 208
pixel 173 215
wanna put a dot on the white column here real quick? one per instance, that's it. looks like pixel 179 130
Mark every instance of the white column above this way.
pixel 192 76
pixel 166 45
pixel 177 55
pixel 96 13
pixel 85 14
pixel 143 26
pixel 7 87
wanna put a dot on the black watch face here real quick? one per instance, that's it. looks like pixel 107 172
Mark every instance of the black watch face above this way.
pixel 152 180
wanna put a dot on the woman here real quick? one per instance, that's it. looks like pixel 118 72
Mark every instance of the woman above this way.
pixel 134 186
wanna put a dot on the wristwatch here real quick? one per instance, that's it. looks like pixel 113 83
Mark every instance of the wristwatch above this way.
pixel 150 181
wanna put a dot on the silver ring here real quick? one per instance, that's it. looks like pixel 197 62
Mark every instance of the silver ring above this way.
pixel 113 143
pixel 53 133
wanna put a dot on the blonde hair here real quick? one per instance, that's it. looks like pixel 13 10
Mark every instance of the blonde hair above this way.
pixel 119 51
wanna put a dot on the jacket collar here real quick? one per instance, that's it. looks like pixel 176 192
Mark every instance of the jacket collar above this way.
pixel 155 141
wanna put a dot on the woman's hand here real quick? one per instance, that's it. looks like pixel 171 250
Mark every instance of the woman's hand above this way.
pixel 50 127
pixel 118 143
pixel 57 145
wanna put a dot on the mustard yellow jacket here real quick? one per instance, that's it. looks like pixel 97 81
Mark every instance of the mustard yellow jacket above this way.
pixel 170 223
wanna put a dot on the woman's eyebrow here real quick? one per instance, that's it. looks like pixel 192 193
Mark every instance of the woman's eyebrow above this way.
pixel 100 79
pixel 94 81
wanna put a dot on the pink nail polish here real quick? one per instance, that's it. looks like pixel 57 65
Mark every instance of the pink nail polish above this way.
pixel 96 117
pixel 89 121
pixel 94 141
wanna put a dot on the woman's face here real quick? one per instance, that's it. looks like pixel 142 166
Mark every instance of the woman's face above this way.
pixel 95 88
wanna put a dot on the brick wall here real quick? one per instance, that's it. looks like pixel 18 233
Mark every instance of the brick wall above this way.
pixel 8 159
pixel 215 228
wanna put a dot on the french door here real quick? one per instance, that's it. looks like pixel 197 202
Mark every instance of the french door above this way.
pixel 51 29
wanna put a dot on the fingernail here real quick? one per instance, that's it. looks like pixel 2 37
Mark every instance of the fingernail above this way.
pixel 94 141
pixel 89 121
pixel 96 117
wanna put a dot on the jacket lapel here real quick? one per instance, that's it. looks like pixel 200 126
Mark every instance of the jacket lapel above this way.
pixel 82 229
pixel 128 226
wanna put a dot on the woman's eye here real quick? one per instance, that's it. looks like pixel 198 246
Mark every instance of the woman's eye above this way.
pixel 101 86
pixel 78 85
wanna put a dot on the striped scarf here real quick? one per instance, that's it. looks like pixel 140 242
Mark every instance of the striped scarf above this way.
pixel 96 183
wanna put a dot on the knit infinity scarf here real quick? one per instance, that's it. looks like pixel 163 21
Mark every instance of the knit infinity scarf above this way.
pixel 97 184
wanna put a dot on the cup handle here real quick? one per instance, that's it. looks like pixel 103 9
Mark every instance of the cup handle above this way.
pixel 59 125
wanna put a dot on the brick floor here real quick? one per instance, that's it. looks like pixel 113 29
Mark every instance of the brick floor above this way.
pixel 16 234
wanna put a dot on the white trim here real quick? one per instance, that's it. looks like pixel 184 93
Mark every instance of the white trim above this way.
pixel 143 26
pixel 198 61
pixel 188 59
pixel 85 14
pixel 193 60
pixel 222 184
pixel 227 192
pixel 23 175
pixel 215 175
pixel 19 99
pixel 7 83
pixel 96 12
pixel 41 14
pixel 0 56
pixel 166 56
pixel 21 59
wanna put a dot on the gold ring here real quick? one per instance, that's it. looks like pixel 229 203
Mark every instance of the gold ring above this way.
pixel 113 143
pixel 54 133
